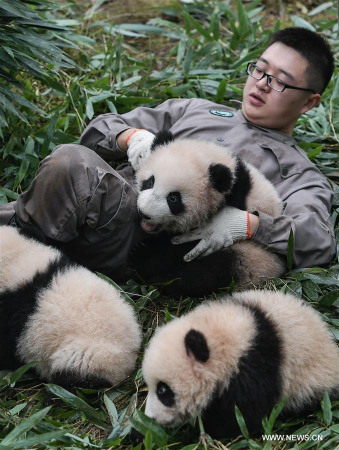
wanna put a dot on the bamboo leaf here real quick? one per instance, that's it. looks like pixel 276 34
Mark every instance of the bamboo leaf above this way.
pixel 215 26
pixel 101 97
pixel 36 41
pixel 16 11
pixel 188 60
pixel 118 288
pixel 24 426
pixel 168 316
pixel 299 22
pixel 320 8
pixel 22 172
pixel 181 50
pixel 327 409
pixel 89 109
pixel 221 91
pixel 144 423
pixel 136 29
pixel 21 100
pixel 112 411
pixel 49 133
pixel 128 82
pixel 42 24
pixel 195 24
pixel 39 439
pixel 329 298
pixel 241 422
pixel 315 152
pixel 148 440
pixel 7 105
pixel 335 93
pixel 17 374
pixel 274 415
pixel 54 84
pixel 77 403
pixel 243 28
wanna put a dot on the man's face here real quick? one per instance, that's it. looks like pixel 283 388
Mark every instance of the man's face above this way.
pixel 279 110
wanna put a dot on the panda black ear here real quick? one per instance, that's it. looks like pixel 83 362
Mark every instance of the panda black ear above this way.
pixel 161 138
pixel 220 177
pixel 195 342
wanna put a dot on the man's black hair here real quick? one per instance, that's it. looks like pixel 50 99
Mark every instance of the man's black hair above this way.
pixel 315 49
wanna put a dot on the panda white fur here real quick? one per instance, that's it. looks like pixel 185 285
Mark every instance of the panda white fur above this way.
pixel 61 314
pixel 182 185
pixel 252 350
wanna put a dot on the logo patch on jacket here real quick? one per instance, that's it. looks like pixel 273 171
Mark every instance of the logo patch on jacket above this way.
pixel 219 112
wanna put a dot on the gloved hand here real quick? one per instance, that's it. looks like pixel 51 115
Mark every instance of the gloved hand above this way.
pixel 139 144
pixel 226 227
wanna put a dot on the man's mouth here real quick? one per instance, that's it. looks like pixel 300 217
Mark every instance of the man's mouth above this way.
pixel 149 227
pixel 256 99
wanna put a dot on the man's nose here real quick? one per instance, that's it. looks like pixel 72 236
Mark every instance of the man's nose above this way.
pixel 262 84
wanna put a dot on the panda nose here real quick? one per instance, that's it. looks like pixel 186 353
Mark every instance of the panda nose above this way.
pixel 143 216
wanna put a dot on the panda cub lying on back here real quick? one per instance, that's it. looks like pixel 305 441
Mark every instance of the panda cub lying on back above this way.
pixel 182 185
pixel 251 350
pixel 58 313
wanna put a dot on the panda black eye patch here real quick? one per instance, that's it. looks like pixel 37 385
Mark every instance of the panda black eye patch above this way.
pixel 175 203
pixel 165 394
pixel 148 184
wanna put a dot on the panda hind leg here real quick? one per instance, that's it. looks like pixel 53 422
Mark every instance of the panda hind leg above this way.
pixel 85 363
pixel 70 379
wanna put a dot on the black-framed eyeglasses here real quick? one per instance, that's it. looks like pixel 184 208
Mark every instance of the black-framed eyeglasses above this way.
pixel 273 82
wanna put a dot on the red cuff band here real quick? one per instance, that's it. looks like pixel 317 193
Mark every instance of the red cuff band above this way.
pixel 134 131
pixel 248 232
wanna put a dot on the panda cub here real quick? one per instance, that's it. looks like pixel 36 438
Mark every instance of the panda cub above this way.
pixel 64 316
pixel 182 185
pixel 250 350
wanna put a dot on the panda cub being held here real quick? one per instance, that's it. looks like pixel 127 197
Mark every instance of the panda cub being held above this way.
pixel 182 185
pixel 251 350
pixel 74 323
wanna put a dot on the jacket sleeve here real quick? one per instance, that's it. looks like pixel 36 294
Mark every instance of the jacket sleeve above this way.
pixel 100 135
pixel 307 214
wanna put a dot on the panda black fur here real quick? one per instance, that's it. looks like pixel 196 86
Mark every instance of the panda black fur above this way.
pixel 182 185
pixel 249 350
pixel 61 314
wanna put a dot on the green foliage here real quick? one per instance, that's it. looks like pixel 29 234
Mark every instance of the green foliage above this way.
pixel 189 49
pixel 29 45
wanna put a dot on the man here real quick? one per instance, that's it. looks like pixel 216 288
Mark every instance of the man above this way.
pixel 79 200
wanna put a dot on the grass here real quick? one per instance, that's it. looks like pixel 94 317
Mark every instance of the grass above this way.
pixel 124 59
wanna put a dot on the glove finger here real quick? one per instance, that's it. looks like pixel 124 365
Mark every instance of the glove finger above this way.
pixel 196 251
pixel 135 164
pixel 215 247
pixel 186 237
pixel 209 251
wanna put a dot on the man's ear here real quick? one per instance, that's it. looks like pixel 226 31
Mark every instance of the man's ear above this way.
pixel 162 138
pixel 312 101
pixel 196 344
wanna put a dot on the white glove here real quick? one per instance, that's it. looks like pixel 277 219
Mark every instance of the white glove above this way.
pixel 139 144
pixel 226 227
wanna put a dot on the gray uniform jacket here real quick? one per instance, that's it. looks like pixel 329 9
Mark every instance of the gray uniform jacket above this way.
pixel 305 192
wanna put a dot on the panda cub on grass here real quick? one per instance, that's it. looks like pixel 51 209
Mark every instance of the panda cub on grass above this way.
pixel 64 316
pixel 182 185
pixel 251 350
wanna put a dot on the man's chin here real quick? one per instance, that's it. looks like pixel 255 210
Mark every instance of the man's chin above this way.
pixel 254 114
